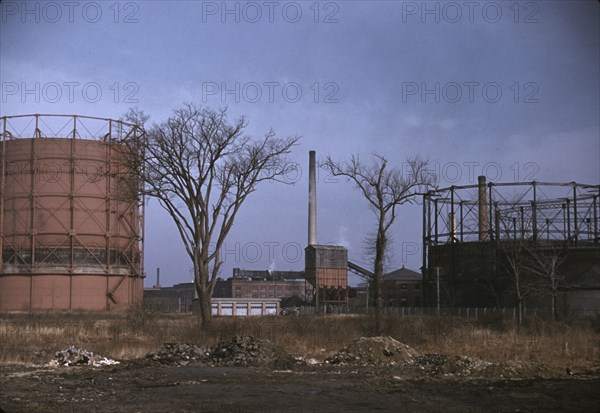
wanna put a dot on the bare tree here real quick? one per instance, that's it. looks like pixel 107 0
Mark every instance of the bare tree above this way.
pixel 513 246
pixel 384 188
pixel 543 263
pixel 201 168
pixel 370 252
pixel 512 258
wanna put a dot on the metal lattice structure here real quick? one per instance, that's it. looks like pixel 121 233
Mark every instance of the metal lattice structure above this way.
pixel 71 213
pixel 538 211
pixel 467 228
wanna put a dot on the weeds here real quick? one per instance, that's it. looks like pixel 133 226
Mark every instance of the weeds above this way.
pixel 26 338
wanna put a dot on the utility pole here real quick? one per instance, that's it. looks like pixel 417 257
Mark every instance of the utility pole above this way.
pixel 367 300
pixel 437 270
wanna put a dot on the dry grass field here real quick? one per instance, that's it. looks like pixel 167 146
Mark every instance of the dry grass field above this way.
pixel 34 337
pixel 547 366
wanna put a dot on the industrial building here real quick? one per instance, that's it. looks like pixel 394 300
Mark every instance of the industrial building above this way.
pixel 402 288
pixel 176 299
pixel 326 266
pixel 262 284
pixel 246 286
pixel 71 214
pixel 244 307
pixel 469 230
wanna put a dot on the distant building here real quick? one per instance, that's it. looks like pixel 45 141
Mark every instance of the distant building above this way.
pixel 177 298
pixel 249 286
pixel 262 284
pixel 402 288
pixel 240 273
pixel 243 307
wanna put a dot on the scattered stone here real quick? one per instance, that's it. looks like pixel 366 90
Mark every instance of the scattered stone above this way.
pixel 180 354
pixel 519 369
pixel 239 351
pixel 434 364
pixel 74 356
pixel 374 351
pixel 442 364
pixel 250 351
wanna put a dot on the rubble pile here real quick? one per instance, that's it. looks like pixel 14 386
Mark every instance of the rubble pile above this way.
pixel 239 351
pixel 74 356
pixel 519 369
pixel 179 354
pixel 442 364
pixel 373 351
pixel 250 351
pixel 434 364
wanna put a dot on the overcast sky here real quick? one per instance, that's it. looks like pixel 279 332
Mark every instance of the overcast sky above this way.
pixel 506 89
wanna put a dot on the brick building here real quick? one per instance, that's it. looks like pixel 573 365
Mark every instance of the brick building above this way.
pixel 177 298
pixel 262 284
pixel 402 288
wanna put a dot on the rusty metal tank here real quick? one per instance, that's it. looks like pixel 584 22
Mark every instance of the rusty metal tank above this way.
pixel 71 214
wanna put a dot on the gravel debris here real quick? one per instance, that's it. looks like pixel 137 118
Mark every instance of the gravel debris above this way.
pixel 442 364
pixel 374 351
pixel 180 354
pixel 250 351
pixel 434 364
pixel 73 356
pixel 240 351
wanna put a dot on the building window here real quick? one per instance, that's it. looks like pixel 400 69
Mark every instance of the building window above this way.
pixel 403 287
pixel 417 286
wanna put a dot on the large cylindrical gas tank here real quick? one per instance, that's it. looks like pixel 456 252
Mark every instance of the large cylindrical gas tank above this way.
pixel 71 220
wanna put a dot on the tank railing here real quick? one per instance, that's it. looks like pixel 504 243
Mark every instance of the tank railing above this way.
pixel 542 211
pixel 76 127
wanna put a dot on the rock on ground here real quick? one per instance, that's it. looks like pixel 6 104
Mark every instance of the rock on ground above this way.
pixel 434 364
pixel 250 351
pixel 180 354
pixel 374 351
pixel 239 351
pixel 73 356
pixel 442 364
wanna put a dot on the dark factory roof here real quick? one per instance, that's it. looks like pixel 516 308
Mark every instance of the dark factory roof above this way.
pixel 403 274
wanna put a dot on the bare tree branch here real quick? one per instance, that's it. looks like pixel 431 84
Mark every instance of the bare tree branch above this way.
pixel 544 263
pixel 201 168
pixel 384 189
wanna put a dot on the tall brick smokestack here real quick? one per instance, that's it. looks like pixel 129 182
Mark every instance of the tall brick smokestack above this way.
pixel 483 210
pixel 157 278
pixel 312 199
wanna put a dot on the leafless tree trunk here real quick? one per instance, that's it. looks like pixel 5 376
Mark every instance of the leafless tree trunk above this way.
pixel 202 168
pixel 544 264
pixel 370 256
pixel 514 246
pixel 513 254
pixel 384 188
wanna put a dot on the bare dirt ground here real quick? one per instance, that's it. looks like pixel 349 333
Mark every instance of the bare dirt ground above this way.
pixel 322 388
pixel 246 374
